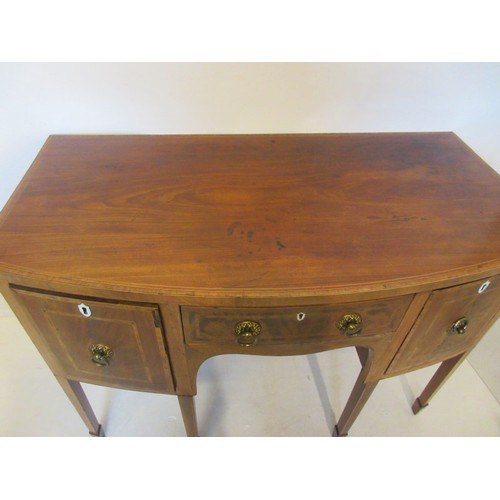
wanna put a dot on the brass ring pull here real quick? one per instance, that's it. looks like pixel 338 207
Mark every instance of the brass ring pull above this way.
pixel 247 333
pixel 101 354
pixel 350 325
pixel 459 326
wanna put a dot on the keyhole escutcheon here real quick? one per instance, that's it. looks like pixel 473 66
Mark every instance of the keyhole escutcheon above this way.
pixel 84 310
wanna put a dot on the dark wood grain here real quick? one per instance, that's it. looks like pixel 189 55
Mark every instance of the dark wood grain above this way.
pixel 280 325
pixel 139 361
pixel 430 342
pixel 172 240
pixel 257 215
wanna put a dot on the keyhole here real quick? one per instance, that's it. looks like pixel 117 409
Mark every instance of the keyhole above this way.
pixel 484 286
pixel 84 310
pixel 300 316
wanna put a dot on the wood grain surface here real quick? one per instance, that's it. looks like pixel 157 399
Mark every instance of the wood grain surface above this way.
pixel 430 340
pixel 281 325
pixel 139 359
pixel 254 215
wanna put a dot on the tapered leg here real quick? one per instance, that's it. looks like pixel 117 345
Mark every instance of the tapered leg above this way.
pixel 443 372
pixel 188 415
pixel 359 395
pixel 75 393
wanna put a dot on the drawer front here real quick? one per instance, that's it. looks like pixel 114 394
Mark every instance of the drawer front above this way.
pixel 117 345
pixel 250 327
pixel 452 321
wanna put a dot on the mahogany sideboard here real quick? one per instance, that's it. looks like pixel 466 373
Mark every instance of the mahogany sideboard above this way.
pixel 130 260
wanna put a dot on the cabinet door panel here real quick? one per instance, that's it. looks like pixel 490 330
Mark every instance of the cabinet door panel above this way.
pixel 452 321
pixel 112 344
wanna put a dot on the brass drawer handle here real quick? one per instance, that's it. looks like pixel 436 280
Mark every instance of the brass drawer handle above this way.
pixel 350 324
pixel 101 354
pixel 459 326
pixel 247 333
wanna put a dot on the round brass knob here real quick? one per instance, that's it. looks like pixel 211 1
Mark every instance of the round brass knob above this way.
pixel 247 333
pixel 459 326
pixel 350 324
pixel 101 354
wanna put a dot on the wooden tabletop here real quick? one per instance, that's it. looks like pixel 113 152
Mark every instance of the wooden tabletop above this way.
pixel 253 215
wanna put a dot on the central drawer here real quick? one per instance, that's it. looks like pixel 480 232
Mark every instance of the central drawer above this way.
pixel 249 327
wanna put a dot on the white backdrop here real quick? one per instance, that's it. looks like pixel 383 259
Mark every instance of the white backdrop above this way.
pixel 38 99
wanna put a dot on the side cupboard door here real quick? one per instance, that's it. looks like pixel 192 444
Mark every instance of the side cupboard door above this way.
pixel 101 342
pixel 452 322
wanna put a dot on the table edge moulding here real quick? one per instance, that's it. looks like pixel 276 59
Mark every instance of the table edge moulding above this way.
pixel 131 259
